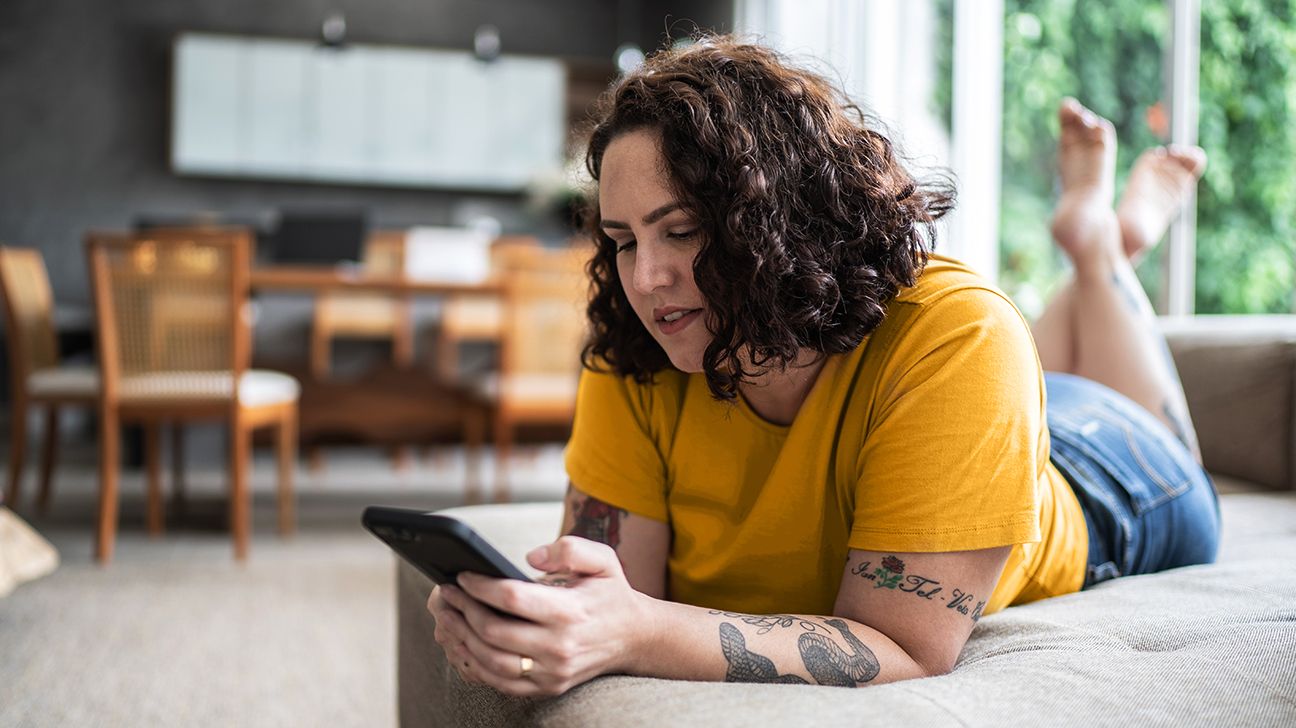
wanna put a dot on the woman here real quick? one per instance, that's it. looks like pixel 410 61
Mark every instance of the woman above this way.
pixel 805 449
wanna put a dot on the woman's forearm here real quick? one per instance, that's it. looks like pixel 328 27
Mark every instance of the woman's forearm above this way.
pixel 692 643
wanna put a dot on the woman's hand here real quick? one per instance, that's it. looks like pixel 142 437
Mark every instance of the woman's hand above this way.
pixel 583 621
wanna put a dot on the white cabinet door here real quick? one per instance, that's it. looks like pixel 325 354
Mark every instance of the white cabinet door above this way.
pixel 402 115
pixel 275 115
pixel 205 105
pixel 339 102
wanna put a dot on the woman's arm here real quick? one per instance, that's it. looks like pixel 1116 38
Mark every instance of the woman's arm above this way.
pixel 898 616
pixel 641 544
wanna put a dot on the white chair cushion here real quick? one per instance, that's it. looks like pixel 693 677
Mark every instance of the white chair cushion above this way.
pixel 530 388
pixel 64 381
pixel 257 388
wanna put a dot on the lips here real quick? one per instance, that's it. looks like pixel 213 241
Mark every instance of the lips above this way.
pixel 672 319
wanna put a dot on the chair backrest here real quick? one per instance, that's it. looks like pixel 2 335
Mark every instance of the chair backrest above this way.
pixel 544 323
pixel 29 313
pixel 171 301
pixel 384 253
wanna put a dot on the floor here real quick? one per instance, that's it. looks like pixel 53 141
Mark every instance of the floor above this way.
pixel 174 632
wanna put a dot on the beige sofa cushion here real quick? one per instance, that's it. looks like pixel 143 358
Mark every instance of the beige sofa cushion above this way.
pixel 1239 373
pixel 1203 645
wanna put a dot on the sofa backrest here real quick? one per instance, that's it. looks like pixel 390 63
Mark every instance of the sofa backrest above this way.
pixel 1239 373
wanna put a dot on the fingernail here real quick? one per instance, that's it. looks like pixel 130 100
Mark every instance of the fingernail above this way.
pixel 539 555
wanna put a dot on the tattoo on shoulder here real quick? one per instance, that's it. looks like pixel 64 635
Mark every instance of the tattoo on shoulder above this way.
pixel 822 656
pixel 890 574
pixel 597 520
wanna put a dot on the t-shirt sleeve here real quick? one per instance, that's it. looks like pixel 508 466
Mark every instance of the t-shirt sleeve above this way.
pixel 951 458
pixel 613 454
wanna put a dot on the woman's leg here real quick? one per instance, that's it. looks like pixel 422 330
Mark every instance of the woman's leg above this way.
pixel 1159 186
pixel 1102 324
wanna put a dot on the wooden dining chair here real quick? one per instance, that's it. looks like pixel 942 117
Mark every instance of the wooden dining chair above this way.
pixel 379 316
pixel 366 315
pixel 37 378
pixel 477 318
pixel 543 332
pixel 171 308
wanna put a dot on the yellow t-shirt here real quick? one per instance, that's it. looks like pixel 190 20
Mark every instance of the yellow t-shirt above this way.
pixel 930 436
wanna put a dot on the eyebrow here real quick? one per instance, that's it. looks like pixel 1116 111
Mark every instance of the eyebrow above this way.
pixel 648 219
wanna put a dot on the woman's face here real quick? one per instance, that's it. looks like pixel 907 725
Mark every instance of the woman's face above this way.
pixel 657 241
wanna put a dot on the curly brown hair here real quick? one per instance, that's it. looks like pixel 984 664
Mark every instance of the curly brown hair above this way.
pixel 809 222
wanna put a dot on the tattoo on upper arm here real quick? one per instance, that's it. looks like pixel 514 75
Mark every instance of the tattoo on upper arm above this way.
pixel 822 656
pixel 890 575
pixel 597 520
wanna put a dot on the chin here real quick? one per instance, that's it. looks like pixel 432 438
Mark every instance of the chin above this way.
pixel 687 362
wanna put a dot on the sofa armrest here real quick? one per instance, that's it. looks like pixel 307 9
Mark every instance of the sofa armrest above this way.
pixel 1239 374
pixel 429 691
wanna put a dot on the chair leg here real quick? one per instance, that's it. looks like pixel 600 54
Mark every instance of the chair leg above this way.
pixel 17 449
pixel 401 458
pixel 153 468
pixel 49 452
pixel 403 359
pixel 287 455
pixel 474 433
pixel 109 442
pixel 315 459
pixel 319 360
pixel 178 469
pixel 503 445
pixel 240 496
pixel 319 368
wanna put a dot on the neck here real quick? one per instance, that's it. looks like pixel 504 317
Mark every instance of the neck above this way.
pixel 777 395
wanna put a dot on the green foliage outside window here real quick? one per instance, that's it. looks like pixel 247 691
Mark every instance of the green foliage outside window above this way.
pixel 1110 56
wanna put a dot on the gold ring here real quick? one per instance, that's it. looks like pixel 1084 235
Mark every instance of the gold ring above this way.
pixel 525 663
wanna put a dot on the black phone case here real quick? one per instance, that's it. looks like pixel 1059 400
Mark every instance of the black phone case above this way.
pixel 439 546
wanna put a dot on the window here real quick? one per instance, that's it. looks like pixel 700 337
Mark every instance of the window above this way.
pixel 1220 73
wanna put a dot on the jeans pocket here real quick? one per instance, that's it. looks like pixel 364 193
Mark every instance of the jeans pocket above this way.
pixel 1139 452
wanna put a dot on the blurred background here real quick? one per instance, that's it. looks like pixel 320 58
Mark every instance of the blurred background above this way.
pixel 381 198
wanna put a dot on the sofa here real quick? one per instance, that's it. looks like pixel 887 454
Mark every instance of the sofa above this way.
pixel 1209 645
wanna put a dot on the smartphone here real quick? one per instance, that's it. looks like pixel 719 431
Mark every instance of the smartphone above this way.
pixel 439 546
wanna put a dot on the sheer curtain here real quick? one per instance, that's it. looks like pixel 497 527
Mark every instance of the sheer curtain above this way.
pixel 884 53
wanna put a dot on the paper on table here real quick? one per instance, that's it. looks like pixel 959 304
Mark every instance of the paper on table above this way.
pixel 460 255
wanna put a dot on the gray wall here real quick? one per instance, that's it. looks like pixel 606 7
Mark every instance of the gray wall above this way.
pixel 84 105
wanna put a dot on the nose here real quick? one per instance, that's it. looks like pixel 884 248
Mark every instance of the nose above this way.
pixel 654 268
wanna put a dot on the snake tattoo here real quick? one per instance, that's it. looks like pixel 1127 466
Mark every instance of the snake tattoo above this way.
pixel 824 659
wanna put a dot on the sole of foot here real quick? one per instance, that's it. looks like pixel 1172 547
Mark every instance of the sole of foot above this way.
pixel 1160 184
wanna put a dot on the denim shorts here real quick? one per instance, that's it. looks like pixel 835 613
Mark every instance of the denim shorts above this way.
pixel 1148 505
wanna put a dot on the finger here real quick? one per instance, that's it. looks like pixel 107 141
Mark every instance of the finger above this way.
pixel 538 603
pixel 435 600
pixel 468 666
pixel 576 555
pixel 501 631
pixel 451 627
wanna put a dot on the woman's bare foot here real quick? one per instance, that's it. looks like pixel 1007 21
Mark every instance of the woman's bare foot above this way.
pixel 1159 185
pixel 1084 224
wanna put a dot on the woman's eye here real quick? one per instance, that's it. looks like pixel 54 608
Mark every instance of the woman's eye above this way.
pixel 681 235
pixel 623 247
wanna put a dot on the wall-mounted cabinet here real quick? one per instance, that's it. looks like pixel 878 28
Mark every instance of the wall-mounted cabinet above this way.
pixel 286 109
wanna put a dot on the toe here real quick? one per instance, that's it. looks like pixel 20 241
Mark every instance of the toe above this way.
pixel 1191 158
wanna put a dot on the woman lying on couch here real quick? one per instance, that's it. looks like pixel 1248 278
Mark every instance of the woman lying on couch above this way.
pixel 807 449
